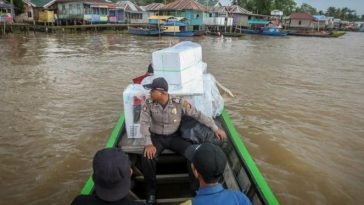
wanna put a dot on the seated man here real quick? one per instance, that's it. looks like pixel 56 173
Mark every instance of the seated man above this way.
pixel 159 122
pixel 208 165
pixel 111 175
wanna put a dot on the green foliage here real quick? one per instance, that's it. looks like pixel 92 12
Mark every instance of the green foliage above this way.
pixel 287 6
pixel 18 7
pixel 306 8
pixel 343 13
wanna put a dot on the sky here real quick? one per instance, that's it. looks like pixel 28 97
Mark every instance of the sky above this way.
pixel 357 5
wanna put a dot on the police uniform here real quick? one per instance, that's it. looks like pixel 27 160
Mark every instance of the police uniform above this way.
pixel 159 126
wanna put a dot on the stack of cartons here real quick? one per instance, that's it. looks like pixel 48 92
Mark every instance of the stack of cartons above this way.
pixel 182 67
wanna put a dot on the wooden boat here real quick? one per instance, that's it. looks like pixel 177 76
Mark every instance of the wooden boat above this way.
pixel 273 31
pixel 176 27
pixel 228 34
pixel 144 31
pixel 317 34
pixel 240 174
pixel 250 31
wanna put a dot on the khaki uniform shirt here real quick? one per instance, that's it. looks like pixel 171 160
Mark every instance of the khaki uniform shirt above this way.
pixel 165 121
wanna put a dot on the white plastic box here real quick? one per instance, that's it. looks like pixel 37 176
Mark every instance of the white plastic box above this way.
pixel 183 76
pixel 192 85
pixel 178 57
pixel 133 96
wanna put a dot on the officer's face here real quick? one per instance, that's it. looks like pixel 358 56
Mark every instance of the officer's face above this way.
pixel 155 94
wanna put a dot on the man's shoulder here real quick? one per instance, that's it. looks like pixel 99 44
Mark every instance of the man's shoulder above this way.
pixel 239 195
pixel 82 199
pixel 90 199
pixel 177 99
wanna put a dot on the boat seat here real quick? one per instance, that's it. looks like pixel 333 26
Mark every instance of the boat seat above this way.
pixel 167 178
pixel 170 200
pixel 136 146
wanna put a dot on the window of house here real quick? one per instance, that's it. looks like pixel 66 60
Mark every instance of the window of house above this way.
pixel 29 14
pixel 197 15
pixel 299 22
pixel 78 6
pixel 210 15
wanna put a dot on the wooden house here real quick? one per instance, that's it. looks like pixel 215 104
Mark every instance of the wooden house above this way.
pixel 152 9
pixel 86 11
pixel 39 11
pixel 133 14
pixel 240 15
pixel 191 10
pixel 6 11
pixel 299 21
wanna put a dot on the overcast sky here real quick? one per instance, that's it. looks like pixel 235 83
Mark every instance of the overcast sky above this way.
pixel 357 5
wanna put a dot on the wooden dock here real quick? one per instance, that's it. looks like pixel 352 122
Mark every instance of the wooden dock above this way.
pixel 23 27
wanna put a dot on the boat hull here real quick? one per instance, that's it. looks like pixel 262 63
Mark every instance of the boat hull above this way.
pixel 144 32
pixel 241 172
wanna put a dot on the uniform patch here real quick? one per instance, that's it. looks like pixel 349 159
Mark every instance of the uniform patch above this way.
pixel 174 111
pixel 149 101
pixel 176 100
pixel 145 108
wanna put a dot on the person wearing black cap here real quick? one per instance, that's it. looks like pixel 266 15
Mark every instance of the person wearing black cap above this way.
pixel 208 165
pixel 159 123
pixel 111 176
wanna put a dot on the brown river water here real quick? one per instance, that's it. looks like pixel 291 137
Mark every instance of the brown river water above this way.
pixel 299 106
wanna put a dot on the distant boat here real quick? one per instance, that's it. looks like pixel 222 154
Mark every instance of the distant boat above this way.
pixel 229 34
pixel 334 34
pixel 175 27
pixel 273 31
pixel 144 31
pixel 250 31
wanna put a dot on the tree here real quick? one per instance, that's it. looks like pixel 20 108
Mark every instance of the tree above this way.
pixel 331 11
pixel 18 7
pixel 307 9
pixel 287 6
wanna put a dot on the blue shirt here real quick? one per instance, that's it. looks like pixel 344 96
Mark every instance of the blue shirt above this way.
pixel 217 195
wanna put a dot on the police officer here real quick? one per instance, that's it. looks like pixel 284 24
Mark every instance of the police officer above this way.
pixel 160 119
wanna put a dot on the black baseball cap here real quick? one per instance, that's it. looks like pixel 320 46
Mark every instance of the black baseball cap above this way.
pixel 209 160
pixel 157 84
pixel 111 175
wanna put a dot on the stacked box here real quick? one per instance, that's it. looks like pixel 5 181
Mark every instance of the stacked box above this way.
pixel 179 64
pixel 133 96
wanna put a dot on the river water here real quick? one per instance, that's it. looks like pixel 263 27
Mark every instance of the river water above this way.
pixel 299 106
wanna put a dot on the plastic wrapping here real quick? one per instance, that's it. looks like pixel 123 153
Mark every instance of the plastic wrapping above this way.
pixel 133 96
pixel 211 102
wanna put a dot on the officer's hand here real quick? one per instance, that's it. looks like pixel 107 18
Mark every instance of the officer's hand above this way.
pixel 149 151
pixel 220 134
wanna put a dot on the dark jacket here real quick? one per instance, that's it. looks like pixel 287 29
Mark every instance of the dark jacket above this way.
pixel 94 200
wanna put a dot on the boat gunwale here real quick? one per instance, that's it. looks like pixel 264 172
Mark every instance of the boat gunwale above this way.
pixel 111 142
pixel 246 158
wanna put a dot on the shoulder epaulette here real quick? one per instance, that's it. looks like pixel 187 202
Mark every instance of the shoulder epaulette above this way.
pixel 149 101
pixel 177 99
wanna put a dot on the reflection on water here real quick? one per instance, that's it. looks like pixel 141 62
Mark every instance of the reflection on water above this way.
pixel 298 105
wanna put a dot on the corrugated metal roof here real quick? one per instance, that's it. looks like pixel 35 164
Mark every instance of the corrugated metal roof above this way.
pixel 219 9
pixel 235 9
pixel 152 7
pixel 38 3
pixel 6 5
pixel 301 16
pixel 129 6
pixel 185 5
